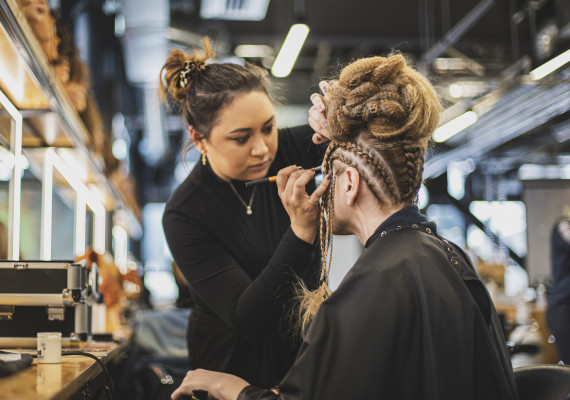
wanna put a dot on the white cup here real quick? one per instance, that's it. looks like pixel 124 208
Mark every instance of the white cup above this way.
pixel 49 347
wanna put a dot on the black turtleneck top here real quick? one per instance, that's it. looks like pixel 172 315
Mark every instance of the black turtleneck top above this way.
pixel 241 268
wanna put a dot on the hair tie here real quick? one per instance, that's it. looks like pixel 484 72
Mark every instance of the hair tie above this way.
pixel 191 69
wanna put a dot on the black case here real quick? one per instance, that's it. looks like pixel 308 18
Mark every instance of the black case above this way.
pixel 46 296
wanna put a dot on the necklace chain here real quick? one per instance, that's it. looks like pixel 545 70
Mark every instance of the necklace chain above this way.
pixel 247 206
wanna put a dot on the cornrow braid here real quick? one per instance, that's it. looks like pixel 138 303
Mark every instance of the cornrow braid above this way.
pixel 415 164
pixel 310 301
pixel 379 164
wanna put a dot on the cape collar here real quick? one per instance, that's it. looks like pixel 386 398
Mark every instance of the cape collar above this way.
pixel 405 217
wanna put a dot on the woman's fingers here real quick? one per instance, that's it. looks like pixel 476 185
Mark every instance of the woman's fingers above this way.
pixel 299 192
pixel 321 189
pixel 319 124
pixel 318 102
pixel 304 216
pixel 324 86
pixel 317 115
pixel 283 177
pixel 319 139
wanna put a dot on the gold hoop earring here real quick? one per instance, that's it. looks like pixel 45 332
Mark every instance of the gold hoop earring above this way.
pixel 204 158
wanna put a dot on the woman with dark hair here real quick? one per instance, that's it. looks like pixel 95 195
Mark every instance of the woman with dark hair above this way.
pixel 237 247
pixel 411 319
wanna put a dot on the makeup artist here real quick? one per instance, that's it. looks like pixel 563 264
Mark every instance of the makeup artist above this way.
pixel 237 247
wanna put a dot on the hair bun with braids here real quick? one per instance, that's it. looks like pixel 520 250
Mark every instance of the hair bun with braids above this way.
pixel 385 97
pixel 180 70
pixel 381 114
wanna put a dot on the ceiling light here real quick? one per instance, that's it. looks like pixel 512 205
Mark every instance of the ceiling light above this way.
pixel 467 89
pixel 550 66
pixel 290 50
pixel 253 50
pixel 247 10
pixel 449 64
pixel 454 126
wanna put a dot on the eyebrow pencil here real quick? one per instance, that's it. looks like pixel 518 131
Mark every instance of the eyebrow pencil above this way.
pixel 271 179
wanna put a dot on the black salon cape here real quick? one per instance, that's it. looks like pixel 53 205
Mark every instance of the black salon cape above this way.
pixel 403 324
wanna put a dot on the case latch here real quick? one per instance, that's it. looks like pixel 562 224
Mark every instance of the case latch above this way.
pixel 55 313
pixel 6 312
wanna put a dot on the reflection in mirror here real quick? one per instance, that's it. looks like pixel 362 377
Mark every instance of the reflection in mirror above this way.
pixel 57 173
pixel 12 135
pixel 30 216
pixel 63 211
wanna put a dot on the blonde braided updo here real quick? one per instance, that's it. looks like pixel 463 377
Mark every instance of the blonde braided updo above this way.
pixel 381 115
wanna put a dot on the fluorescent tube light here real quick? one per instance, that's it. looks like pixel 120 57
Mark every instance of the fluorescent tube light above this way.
pixel 550 66
pixel 253 50
pixel 454 126
pixel 290 50
pixel 245 10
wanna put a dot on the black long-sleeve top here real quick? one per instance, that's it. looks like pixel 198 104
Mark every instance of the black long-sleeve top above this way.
pixel 241 268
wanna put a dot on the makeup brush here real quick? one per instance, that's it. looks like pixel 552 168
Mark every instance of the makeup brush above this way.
pixel 271 179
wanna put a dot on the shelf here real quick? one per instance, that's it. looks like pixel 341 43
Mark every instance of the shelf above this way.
pixel 49 120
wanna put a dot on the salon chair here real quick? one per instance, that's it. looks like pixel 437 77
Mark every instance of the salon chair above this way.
pixel 543 382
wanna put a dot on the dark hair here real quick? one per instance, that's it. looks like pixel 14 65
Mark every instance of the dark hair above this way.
pixel 201 90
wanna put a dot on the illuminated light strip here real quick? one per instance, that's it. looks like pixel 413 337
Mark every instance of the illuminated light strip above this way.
pixel 290 50
pixel 252 50
pixel 550 66
pixel 47 207
pixel 80 217
pixel 16 181
pixel 120 248
pixel 84 198
pixel 454 126
pixel 99 234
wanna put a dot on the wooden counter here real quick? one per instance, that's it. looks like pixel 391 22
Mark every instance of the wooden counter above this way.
pixel 76 377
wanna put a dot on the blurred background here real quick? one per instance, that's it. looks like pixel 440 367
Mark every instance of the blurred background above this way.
pixel 496 177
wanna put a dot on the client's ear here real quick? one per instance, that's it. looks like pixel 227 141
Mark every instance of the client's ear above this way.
pixel 197 138
pixel 351 185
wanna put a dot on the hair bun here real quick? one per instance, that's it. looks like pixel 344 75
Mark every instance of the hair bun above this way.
pixel 372 69
pixel 385 97
pixel 181 69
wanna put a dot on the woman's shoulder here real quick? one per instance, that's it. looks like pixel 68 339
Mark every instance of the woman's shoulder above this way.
pixel 296 147
pixel 188 192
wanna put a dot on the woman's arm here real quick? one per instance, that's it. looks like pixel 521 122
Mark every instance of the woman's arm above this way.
pixel 252 307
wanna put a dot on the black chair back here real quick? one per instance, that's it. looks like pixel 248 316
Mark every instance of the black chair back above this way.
pixel 543 382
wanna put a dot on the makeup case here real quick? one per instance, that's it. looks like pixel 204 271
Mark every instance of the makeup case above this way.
pixel 45 296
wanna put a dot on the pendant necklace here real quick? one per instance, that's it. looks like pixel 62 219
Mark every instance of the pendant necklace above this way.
pixel 248 210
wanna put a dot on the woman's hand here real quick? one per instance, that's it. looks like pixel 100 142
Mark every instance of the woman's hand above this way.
pixel 302 208
pixel 220 386
pixel 317 116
